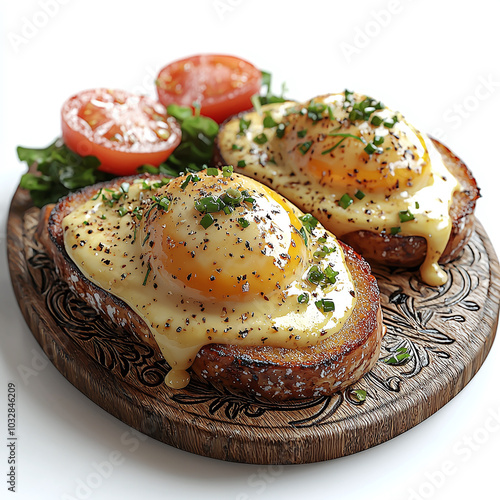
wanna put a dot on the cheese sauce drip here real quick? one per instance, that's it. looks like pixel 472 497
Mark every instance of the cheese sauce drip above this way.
pixel 257 274
pixel 354 164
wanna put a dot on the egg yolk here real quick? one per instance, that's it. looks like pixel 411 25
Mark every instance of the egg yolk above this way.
pixel 256 249
pixel 359 155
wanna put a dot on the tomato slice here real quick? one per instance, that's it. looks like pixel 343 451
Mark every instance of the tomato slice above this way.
pixel 222 85
pixel 123 130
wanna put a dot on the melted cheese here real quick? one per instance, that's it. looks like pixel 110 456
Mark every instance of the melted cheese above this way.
pixel 316 159
pixel 154 254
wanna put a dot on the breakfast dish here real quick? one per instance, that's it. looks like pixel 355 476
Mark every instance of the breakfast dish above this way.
pixel 226 276
pixel 397 196
pixel 187 277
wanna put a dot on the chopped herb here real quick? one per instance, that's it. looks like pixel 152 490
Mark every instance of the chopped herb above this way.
pixel 397 358
pixel 269 121
pixel 359 395
pixel 243 125
pixel 376 120
pixel 189 178
pixel 122 211
pixel 302 133
pixel 417 205
pixel 305 146
pixel 315 110
pixel 103 217
pixel 372 148
pixel 303 233
pixel 303 298
pixel 260 139
pixel 147 275
pixel 209 204
pixel 243 222
pixel 405 216
pixel 309 222
pixel 325 305
pixel 212 171
pixel 227 171
pixel 345 201
pixel 391 122
pixel 235 147
pixel 241 164
pixel 395 230
pixel 146 239
pixel 207 221
pixel 280 130
pixel 359 194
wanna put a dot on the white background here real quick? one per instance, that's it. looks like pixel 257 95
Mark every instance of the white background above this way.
pixel 428 59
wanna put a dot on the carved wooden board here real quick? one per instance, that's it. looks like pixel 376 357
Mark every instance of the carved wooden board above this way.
pixel 447 332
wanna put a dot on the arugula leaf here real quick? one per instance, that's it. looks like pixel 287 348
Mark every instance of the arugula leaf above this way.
pixel 268 97
pixel 58 171
pixel 196 147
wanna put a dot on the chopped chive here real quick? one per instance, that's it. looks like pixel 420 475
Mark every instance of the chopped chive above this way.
pixel 242 164
pixel 303 298
pixel 347 136
pixel 209 204
pixel 212 171
pixel 309 222
pixel 330 113
pixel 397 358
pixel 305 146
pixel 417 205
pixel 378 140
pixel 359 194
pixel 395 230
pixel 359 395
pixel 372 148
pixel 329 150
pixel 330 275
pixel 315 275
pixel 302 133
pixel 244 124
pixel 303 233
pixel 235 147
pixel 376 120
pixel 232 197
pixel 269 121
pixel 186 182
pixel 147 275
pixel 97 195
pixel 227 171
pixel 325 305
pixel 260 139
pixel 85 222
pixel 122 211
pixel 243 222
pixel 280 130
pixel 345 201
pixel 207 221
pixel 103 217
pixel 405 216
pixel 145 239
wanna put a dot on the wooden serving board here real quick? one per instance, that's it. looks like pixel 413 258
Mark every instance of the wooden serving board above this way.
pixel 447 331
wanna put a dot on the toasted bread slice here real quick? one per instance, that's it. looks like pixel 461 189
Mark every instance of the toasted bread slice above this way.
pixel 275 373
pixel 409 251
pixel 381 248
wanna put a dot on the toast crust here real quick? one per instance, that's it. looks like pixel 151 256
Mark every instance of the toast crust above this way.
pixel 275 373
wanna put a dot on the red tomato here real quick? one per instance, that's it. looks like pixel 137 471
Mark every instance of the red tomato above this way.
pixel 221 85
pixel 123 130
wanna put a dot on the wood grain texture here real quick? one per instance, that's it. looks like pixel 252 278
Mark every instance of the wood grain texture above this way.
pixel 437 340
